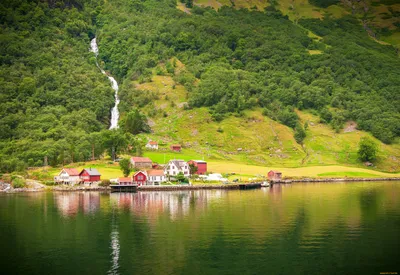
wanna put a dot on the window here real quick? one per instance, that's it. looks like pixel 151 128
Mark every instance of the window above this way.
pixel 140 177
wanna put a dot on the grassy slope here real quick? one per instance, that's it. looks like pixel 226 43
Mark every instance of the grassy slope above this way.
pixel 263 141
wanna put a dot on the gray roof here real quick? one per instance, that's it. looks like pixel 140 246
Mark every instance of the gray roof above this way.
pixel 92 172
pixel 178 163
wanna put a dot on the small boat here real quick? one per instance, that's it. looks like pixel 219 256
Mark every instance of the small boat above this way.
pixel 265 184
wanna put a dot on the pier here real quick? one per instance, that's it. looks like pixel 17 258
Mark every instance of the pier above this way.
pixel 124 188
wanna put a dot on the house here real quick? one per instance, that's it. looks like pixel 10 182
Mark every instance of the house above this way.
pixel 140 178
pixel 67 176
pixel 175 166
pixel 176 147
pixel 156 177
pixel 89 175
pixel 201 166
pixel 141 163
pixel 152 145
pixel 274 175
pixel 125 181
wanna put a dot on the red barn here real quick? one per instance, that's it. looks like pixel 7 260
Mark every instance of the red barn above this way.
pixel 274 175
pixel 89 175
pixel 176 147
pixel 201 166
pixel 140 178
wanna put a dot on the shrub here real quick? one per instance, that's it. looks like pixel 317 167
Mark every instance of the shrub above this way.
pixel 367 149
pixel 18 182
pixel 49 183
pixel 105 183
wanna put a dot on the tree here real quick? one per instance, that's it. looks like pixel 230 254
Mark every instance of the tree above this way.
pixel 367 149
pixel 181 177
pixel 115 141
pixel 193 168
pixel 299 133
pixel 125 166
pixel 136 123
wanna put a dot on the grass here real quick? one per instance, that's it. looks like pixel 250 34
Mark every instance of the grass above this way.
pixel 247 171
pixel 313 52
pixel 107 170
pixel 347 174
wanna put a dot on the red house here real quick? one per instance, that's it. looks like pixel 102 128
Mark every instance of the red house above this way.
pixel 89 175
pixel 201 166
pixel 274 175
pixel 176 147
pixel 140 178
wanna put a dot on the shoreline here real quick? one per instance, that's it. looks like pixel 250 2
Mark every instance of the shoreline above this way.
pixel 235 186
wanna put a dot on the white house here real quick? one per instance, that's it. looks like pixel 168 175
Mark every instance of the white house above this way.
pixel 152 145
pixel 67 176
pixel 175 166
pixel 156 177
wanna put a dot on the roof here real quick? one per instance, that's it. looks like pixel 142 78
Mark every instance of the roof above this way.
pixel 140 159
pixel 138 172
pixel 178 162
pixel 275 171
pixel 155 172
pixel 71 171
pixel 198 161
pixel 128 179
pixel 92 171
pixel 176 145
pixel 153 142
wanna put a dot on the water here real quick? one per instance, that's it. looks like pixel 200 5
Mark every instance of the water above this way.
pixel 114 111
pixel 338 228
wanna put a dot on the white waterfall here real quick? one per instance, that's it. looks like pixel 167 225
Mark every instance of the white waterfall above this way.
pixel 114 111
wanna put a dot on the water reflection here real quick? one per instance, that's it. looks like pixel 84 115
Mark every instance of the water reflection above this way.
pixel 69 203
pixel 115 248
pixel 177 203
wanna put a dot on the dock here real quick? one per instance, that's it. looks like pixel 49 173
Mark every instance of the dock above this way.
pixel 250 186
pixel 124 188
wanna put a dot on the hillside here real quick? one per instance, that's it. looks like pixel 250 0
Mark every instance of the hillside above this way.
pixel 232 86
pixel 262 140
pixel 381 18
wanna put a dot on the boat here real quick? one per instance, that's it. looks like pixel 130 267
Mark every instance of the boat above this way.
pixel 265 184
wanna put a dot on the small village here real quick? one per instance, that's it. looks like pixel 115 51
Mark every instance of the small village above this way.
pixel 149 173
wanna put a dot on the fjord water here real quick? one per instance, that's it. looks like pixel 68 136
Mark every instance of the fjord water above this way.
pixel 324 228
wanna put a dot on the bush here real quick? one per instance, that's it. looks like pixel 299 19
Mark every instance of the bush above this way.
pixel 105 183
pixel 49 183
pixel 367 149
pixel 18 182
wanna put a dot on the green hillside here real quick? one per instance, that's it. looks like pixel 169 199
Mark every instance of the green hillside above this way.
pixel 233 85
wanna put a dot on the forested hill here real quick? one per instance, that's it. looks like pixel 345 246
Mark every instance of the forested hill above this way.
pixel 54 101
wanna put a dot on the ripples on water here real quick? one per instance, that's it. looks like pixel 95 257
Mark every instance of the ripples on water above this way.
pixel 341 228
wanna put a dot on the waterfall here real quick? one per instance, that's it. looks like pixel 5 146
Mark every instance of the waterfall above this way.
pixel 114 111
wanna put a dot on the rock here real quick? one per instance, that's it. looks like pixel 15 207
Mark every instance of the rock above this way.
pixel 239 149
pixel 368 163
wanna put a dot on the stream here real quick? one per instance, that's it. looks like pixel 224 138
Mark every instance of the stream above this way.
pixel 114 111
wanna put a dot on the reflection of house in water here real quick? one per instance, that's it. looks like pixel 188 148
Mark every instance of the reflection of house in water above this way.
pixel 90 202
pixel 176 204
pixel 69 203
pixel 276 192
